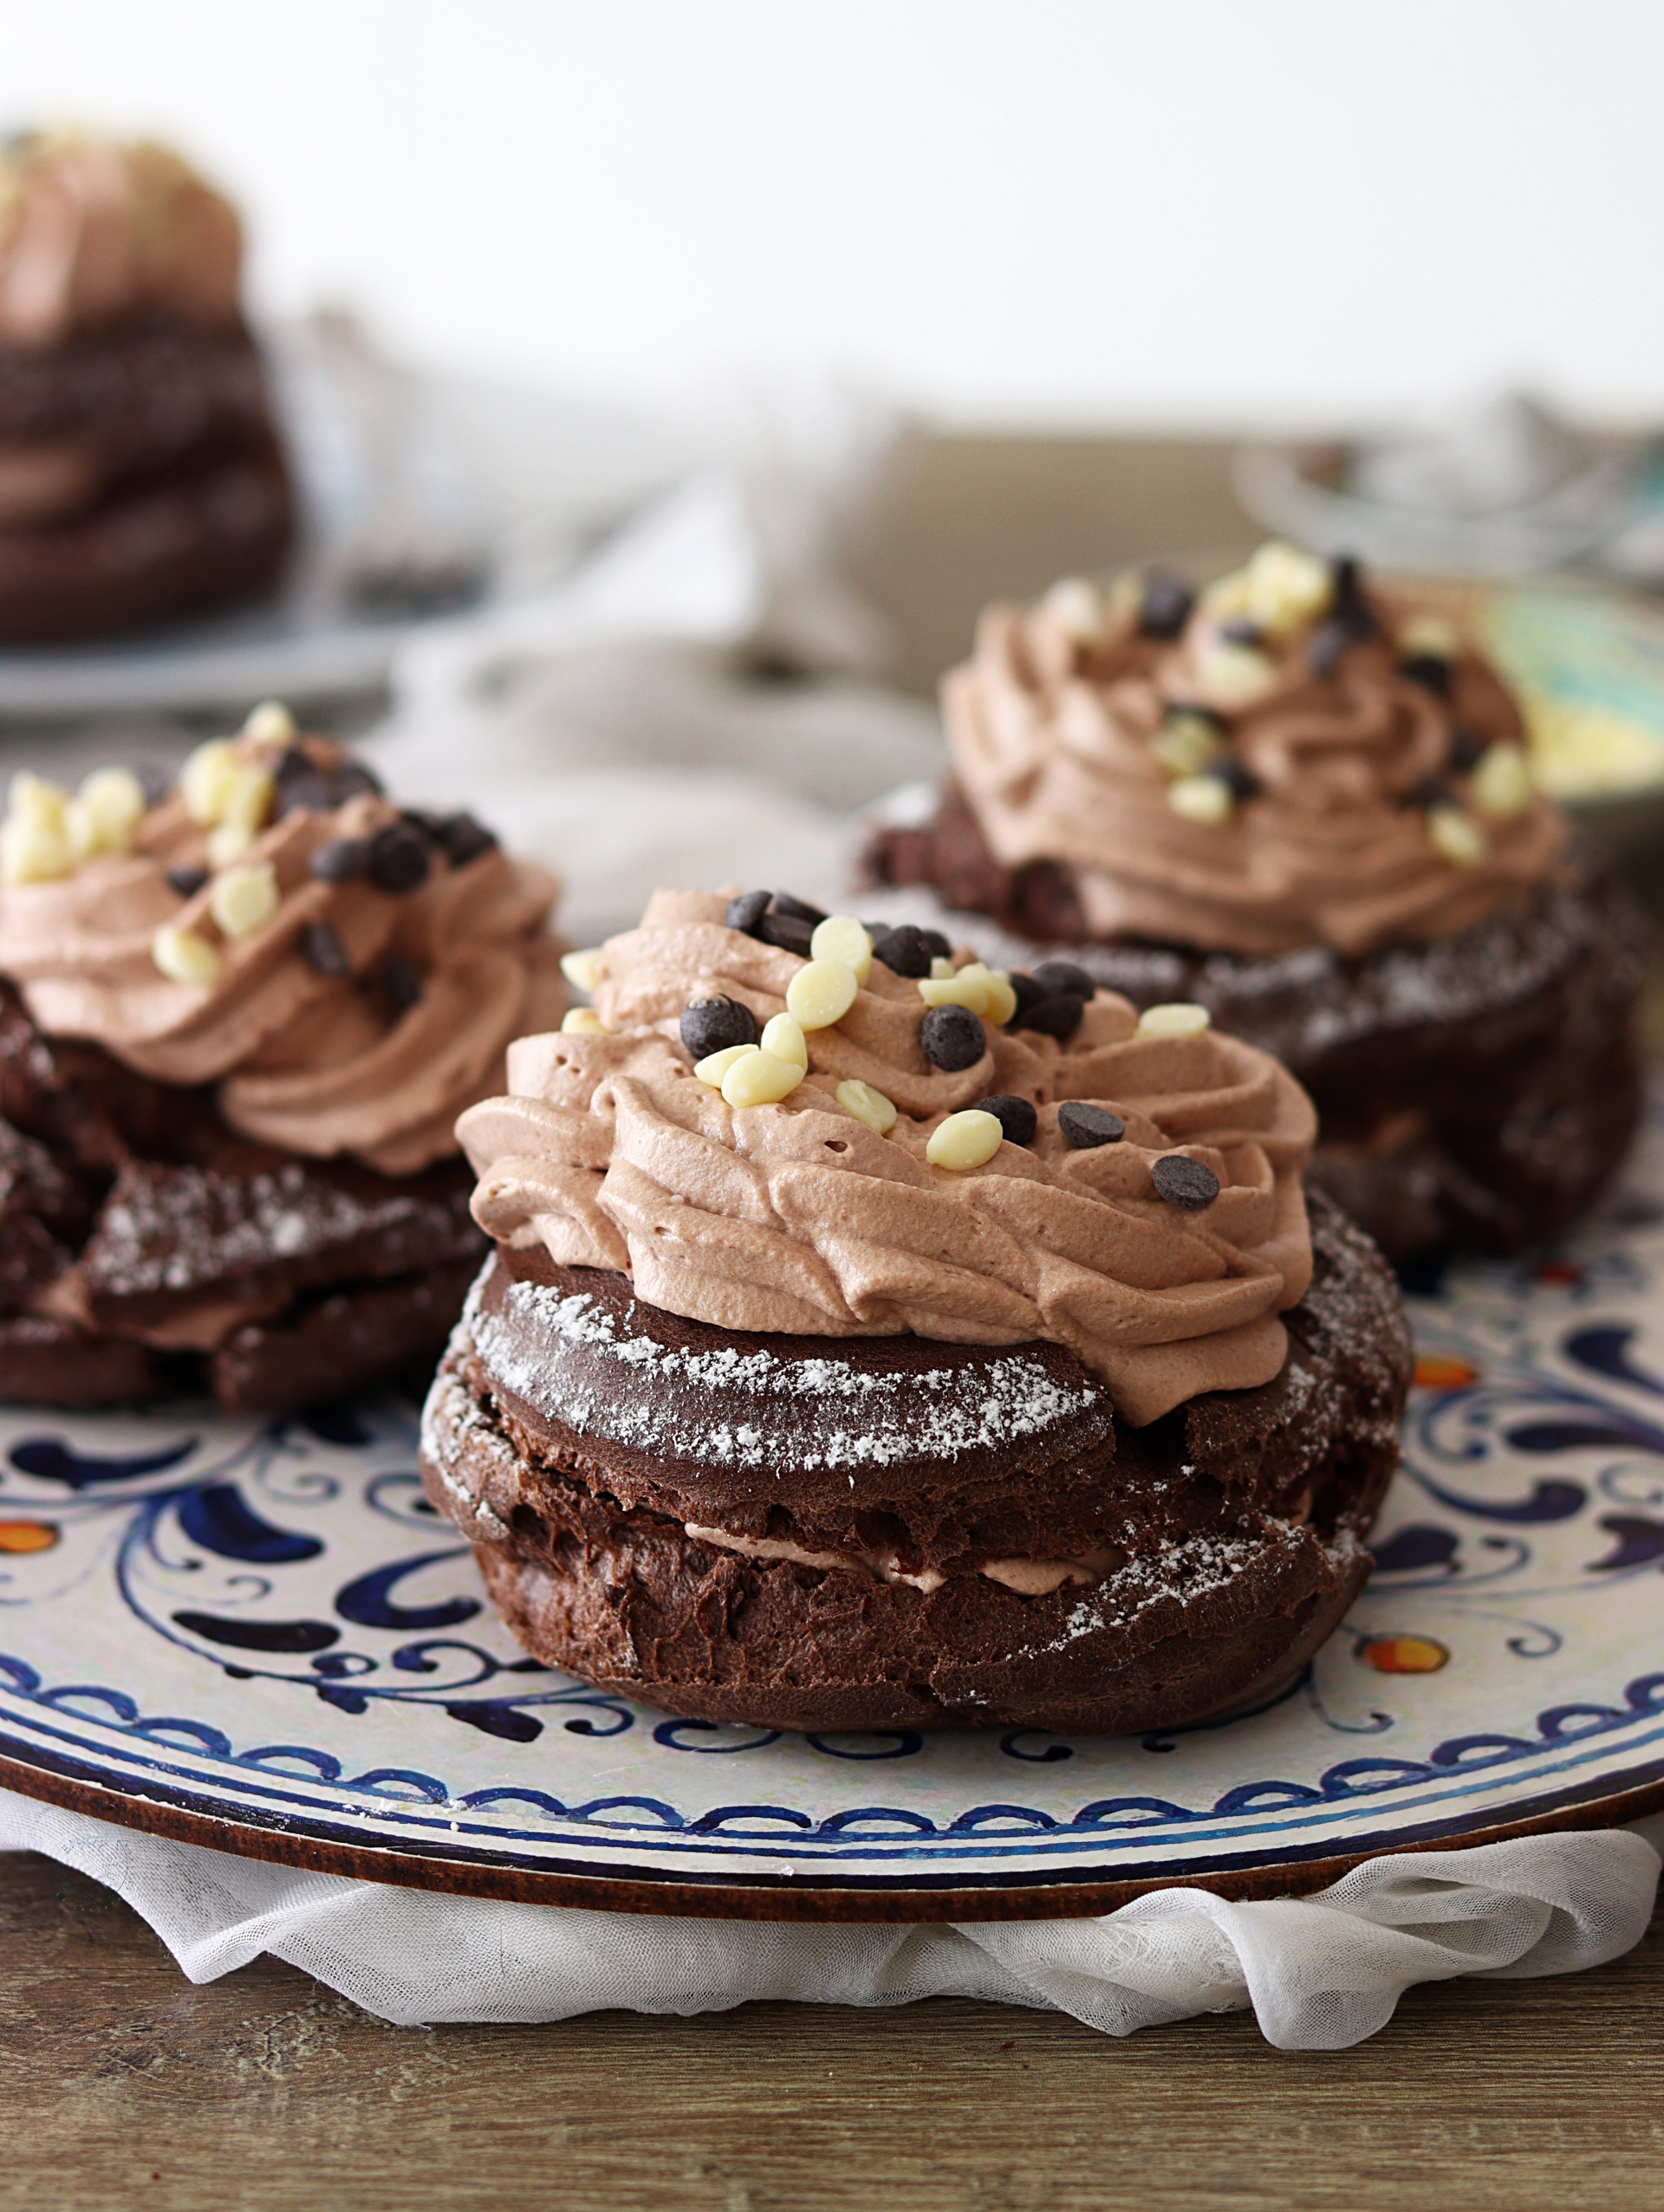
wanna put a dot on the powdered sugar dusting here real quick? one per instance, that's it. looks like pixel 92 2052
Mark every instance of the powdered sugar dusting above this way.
pixel 867 1420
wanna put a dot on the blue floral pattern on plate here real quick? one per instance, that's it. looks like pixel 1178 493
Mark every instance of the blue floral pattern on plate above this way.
pixel 269 1624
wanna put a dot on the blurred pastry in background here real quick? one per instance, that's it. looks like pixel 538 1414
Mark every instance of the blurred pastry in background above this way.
pixel 1305 804
pixel 141 476
pixel 238 1018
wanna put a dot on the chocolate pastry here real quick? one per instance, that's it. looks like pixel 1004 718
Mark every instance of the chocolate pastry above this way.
pixel 140 476
pixel 224 1163
pixel 771 1406
pixel 1010 1555
pixel 1326 835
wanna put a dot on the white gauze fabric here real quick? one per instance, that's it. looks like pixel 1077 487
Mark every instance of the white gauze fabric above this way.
pixel 1319 1972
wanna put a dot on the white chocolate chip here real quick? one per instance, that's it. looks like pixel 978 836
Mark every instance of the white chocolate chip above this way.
pixel 185 957
pixel 866 1105
pixel 243 900
pixel 1076 606
pixel 822 993
pixel 1186 742
pixel 1001 1002
pixel 228 842
pixel 1429 637
pixel 1285 587
pixel 984 991
pixel 584 1021
pixel 1456 837
pixel 1227 597
pixel 270 723
pixel 104 814
pixel 583 970
pixel 1232 674
pixel 1501 782
pixel 783 1036
pixel 31 798
pixel 761 1079
pixel 33 850
pixel 1177 1019
pixel 715 1065
pixel 1202 799
pixel 964 1140
pixel 206 779
pixel 840 937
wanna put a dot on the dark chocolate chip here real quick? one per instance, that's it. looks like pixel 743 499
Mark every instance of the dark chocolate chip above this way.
pixel 711 1025
pixel 1015 1116
pixel 1243 632
pixel 1430 669
pixel 1349 608
pixel 294 763
pixel 1187 711
pixel 745 912
pixel 1431 791
pixel 323 951
pixel 936 944
pixel 1183 1183
pixel 1054 976
pixel 786 930
pixel 904 951
pixel 187 881
pixel 1085 1126
pixel 1466 751
pixel 343 859
pixel 799 909
pixel 401 983
pixel 312 791
pixel 400 858
pixel 1165 608
pixel 352 780
pixel 876 929
pixel 461 837
pixel 155 783
pixel 1028 993
pixel 1057 1017
pixel 951 1038
pixel 1325 646
pixel 1236 776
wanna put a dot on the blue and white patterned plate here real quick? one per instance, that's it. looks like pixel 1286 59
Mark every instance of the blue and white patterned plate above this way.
pixel 262 1637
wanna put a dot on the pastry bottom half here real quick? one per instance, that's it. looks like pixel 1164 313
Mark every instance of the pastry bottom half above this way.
pixel 886 1532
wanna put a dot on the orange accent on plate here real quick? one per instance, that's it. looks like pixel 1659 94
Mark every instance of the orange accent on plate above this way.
pixel 1437 1370
pixel 27 1535
pixel 1403 1654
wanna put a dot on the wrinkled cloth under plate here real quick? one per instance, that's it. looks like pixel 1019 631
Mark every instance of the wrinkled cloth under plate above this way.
pixel 1318 1972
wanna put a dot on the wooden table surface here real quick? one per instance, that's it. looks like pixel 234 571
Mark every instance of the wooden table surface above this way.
pixel 124 2085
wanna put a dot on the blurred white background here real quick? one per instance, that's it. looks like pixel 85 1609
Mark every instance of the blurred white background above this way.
pixel 1002 211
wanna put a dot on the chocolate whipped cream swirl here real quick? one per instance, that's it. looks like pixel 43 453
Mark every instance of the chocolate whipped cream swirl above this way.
pixel 1352 817
pixel 355 1020
pixel 798 1218
pixel 91 229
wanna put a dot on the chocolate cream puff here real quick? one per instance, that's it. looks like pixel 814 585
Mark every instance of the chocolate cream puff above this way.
pixel 870 1342
pixel 1304 803
pixel 238 1017
pixel 140 476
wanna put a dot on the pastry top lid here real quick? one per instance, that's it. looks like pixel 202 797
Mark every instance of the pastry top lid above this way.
pixel 92 228
pixel 1287 758
pixel 773 1123
pixel 348 974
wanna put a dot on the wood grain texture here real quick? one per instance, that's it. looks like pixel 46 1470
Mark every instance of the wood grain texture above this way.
pixel 123 2085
